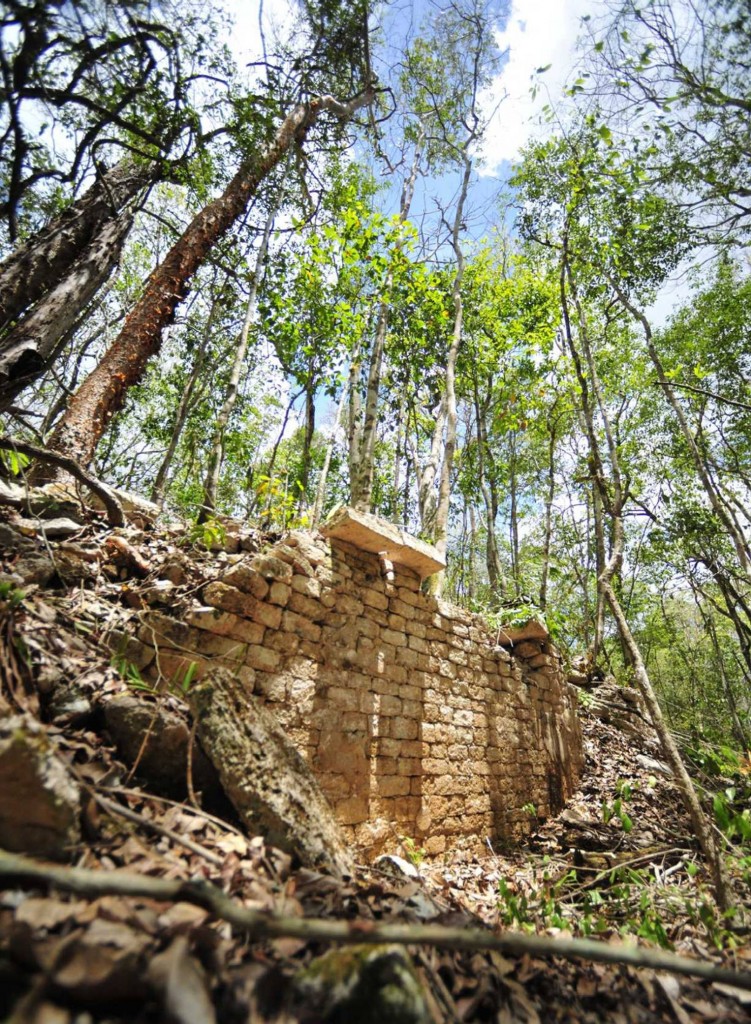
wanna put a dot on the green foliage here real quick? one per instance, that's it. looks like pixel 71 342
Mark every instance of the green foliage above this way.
pixel 209 534
pixel 11 595
pixel 616 809
pixel 415 854
pixel 14 463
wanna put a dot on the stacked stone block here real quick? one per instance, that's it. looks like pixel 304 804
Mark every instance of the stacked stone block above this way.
pixel 415 717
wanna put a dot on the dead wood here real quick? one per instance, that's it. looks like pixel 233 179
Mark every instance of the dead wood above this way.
pixel 114 509
pixel 23 871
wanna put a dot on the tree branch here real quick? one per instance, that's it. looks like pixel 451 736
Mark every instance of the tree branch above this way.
pixel 114 509
pixel 18 870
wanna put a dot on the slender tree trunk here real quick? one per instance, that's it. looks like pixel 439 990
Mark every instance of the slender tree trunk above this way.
pixel 323 478
pixel 720 507
pixel 612 498
pixel 548 521
pixel 27 350
pixel 361 485
pixel 102 394
pixel 307 444
pixel 211 483
pixel 514 515
pixel 440 532
pixel 43 261
pixel 183 408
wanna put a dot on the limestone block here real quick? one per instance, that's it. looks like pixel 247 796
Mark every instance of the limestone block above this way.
pixel 272 568
pixel 349 605
pixel 419 629
pixel 306 585
pixel 272 687
pixel 279 593
pixel 407 657
pixel 434 845
pixel 262 658
pixel 389 706
pixel 225 624
pixel 533 629
pixel 375 599
pixel 394 638
pixel 397 622
pixel 309 607
pixel 401 728
pixel 285 643
pixel 229 599
pixel 392 785
pixel 340 697
pixel 352 811
pixel 39 800
pixel 157 629
pixel 370 533
pixel 417 644
pixel 314 549
pixel 302 627
pixel 246 578
pixel 301 565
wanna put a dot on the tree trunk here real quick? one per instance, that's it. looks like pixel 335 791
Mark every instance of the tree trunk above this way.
pixel 361 485
pixel 323 478
pixel 42 261
pixel 216 457
pixel 28 350
pixel 183 408
pixel 611 493
pixel 440 533
pixel 102 394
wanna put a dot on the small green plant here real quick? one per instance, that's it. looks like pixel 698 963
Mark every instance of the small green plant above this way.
pixel 616 809
pixel 180 687
pixel 10 595
pixel 585 698
pixel 208 534
pixel 530 809
pixel 415 854
pixel 132 675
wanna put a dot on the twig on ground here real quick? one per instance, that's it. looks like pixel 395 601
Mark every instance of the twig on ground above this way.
pixel 17 869
pixel 114 808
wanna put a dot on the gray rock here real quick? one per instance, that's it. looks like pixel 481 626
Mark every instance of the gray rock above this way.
pixel 39 801
pixel 366 984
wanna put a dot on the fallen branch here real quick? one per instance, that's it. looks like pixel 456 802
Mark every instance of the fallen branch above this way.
pixel 18 870
pixel 138 819
pixel 114 509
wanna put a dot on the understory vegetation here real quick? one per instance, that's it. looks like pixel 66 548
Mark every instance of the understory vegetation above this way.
pixel 262 290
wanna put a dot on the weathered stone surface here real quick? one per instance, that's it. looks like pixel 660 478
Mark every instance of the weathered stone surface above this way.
pixel 265 778
pixel 370 533
pixel 405 706
pixel 530 630
pixel 369 985
pixel 39 801
pixel 147 731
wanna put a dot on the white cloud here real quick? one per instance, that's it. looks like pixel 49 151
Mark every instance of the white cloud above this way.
pixel 538 33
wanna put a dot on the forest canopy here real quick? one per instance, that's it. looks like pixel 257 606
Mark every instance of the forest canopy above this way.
pixel 263 290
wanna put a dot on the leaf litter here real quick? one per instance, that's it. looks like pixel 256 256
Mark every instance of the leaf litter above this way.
pixel 65 960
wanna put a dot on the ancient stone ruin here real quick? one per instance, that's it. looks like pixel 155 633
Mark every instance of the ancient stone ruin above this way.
pixel 416 718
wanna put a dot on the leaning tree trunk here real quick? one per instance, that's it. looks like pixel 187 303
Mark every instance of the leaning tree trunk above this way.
pixel 103 393
pixel 30 348
pixel 43 260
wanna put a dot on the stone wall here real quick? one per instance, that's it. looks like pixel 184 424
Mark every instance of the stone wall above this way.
pixel 415 719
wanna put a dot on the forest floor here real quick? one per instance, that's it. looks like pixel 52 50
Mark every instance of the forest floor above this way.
pixel 620 860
